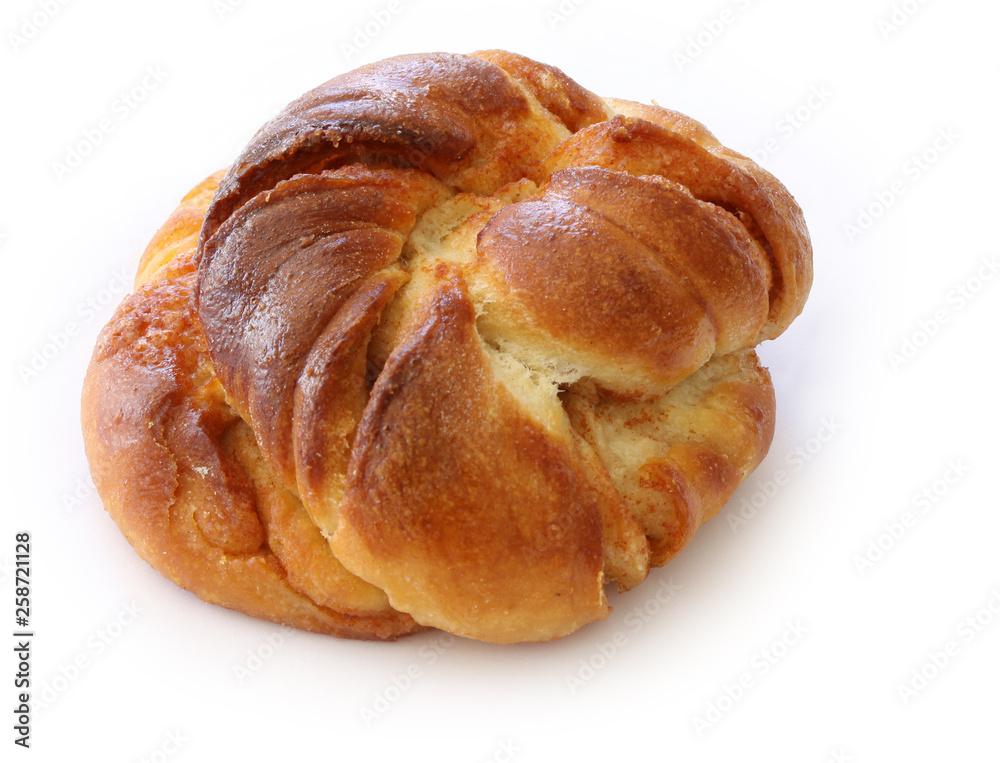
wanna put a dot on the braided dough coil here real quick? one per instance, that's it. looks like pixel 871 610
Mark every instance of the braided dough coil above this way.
pixel 454 343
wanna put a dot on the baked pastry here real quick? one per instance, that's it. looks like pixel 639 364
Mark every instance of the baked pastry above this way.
pixel 454 343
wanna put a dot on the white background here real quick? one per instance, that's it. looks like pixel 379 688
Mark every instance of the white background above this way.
pixel 877 114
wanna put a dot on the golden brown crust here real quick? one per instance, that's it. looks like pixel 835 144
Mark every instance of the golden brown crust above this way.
pixel 442 524
pixel 462 119
pixel 183 480
pixel 669 281
pixel 574 106
pixel 301 250
pixel 660 142
pixel 455 343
